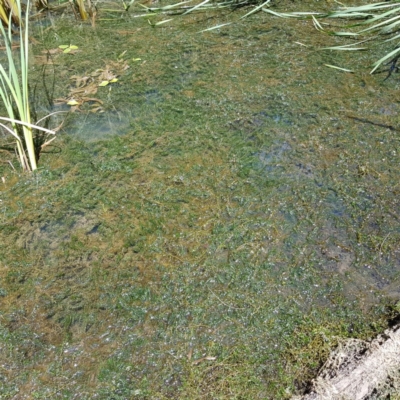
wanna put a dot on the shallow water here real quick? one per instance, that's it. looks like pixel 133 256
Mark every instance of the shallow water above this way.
pixel 235 199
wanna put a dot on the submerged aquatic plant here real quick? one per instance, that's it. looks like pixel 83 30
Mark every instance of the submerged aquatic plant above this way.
pixel 14 92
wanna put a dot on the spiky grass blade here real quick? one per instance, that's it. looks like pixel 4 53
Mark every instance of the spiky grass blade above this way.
pixel 170 7
pixel 344 48
pixel 9 11
pixel 383 15
pixel 3 14
pixel 80 5
pixel 338 68
pixel 345 34
pixel 290 15
pixel 393 38
pixel 347 47
pixel 163 22
pixel 196 7
pixel 386 23
pixel 14 90
pixel 32 126
pixel 392 54
pixel 254 10
pixel 365 10
pixel 317 24
pixel 215 27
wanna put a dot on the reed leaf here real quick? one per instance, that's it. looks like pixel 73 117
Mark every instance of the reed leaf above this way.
pixel 383 23
pixel 389 56
pixel 14 91
pixel 382 18
pixel 345 34
pixel 196 7
pixel 338 68
pixel 255 9
pixel 80 5
pixel 9 11
pixel 215 27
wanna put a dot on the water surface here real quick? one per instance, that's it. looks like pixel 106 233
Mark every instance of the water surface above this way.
pixel 209 233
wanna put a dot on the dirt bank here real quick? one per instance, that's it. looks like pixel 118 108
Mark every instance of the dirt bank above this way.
pixel 359 370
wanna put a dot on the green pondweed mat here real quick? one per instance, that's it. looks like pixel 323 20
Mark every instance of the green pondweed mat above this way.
pixel 206 227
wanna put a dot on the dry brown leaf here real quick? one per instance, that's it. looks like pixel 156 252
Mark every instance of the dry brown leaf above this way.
pixel 85 86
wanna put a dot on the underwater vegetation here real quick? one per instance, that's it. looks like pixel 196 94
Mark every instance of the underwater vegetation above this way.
pixel 216 215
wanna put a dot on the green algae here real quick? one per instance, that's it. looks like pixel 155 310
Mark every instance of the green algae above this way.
pixel 219 241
